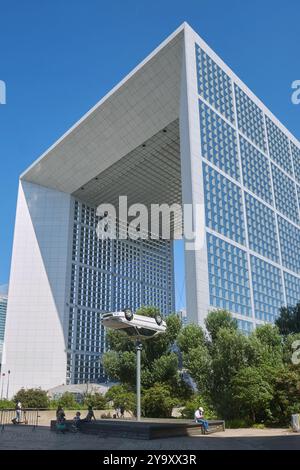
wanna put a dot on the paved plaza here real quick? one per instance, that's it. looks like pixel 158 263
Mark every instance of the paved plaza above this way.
pixel 21 438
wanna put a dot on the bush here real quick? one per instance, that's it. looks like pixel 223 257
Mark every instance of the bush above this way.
pixel 192 405
pixel 32 398
pixel 6 404
pixel 122 396
pixel 97 401
pixel 67 401
pixel 157 402
pixel 237 423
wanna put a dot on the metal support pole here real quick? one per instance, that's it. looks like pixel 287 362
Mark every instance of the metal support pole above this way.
pixel 2 385
pixel 8 374
pixel 139 348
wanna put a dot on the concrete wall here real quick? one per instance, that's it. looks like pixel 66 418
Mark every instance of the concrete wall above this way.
pixel 34 341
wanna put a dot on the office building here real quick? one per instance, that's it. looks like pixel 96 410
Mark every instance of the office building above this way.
pixel 180 128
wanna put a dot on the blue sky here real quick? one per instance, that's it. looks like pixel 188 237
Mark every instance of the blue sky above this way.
pixel 59 57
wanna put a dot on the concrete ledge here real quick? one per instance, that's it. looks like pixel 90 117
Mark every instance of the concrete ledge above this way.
pixel 147 429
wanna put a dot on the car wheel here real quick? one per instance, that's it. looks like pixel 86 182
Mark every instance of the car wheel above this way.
pixel 158 319
pixel 128 314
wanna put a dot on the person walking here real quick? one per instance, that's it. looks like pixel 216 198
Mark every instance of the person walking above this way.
pixel 18 417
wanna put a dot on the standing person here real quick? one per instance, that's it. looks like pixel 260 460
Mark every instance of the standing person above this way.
pixel 122 411
pixel 60 420
pixel 59 411
pixel 90 414
pixel 199 418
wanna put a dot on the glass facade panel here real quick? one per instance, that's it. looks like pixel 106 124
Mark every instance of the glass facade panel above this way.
pixel 214 85
pixel 267 289
pixel 218 141
pixel 250 118
pixel 228 276
pixel 110 275
pixel 279 146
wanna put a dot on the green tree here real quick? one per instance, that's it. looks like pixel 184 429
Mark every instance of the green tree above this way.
pixel 96 400
pixel 198 362
pixel 190 337
pixel 286 397
pixel 32 398
pixel 195 402
pixel 291 344
pixel 159 362
pixel 288 320
pixel 7 404
pixel 157 401
pixel 252 393
pixel 67 401
pixel 230 352
pixel 122 396
pixel 269 346
pixel 217 320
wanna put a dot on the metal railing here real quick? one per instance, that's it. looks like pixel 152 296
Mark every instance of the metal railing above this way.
pixel 24 417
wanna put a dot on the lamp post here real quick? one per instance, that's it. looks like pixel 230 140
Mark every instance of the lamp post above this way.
pixel 8 372
pixel 137 327
pixel 138 347
pixel 2 385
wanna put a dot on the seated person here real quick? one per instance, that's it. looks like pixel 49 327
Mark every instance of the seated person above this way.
pixel 61 421
pixel 199 418
pixel 76 420
pixel 90 415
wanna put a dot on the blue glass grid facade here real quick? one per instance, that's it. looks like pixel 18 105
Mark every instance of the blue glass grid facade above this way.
pixel 267 289
pixel 289 236
pixel 228 276
pixel 214 85
pixel 279 146
pixel 292 288
pixel 285 194
pixel 250 118
pixel 218 141
pixel 223 205
pixel 296 160
pixel 3 308
pixel 245 326
pixel 110 275
pixel 256 171
pixel 262 230
pixel 259 212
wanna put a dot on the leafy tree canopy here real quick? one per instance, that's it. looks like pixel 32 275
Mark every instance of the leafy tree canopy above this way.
pixel 218 319
pixel 32 398
pixel 288 321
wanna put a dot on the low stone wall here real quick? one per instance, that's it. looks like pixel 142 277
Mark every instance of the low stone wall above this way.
pixel 45 416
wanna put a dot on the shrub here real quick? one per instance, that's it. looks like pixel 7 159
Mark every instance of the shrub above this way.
pixel 237 423
pixel 32 398
pixel 67 401
pixel 157 402
pixel 191 406
pixel 121 396
pixel 97 401
pixel 6 404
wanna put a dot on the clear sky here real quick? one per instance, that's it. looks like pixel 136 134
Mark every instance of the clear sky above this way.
pixel 59 57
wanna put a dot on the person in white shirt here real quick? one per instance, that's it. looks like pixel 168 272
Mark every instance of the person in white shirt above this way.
pixel 199 418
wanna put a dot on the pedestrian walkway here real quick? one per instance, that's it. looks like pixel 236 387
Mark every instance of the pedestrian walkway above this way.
pixel 20 438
